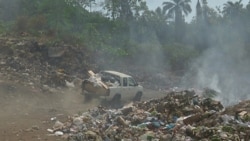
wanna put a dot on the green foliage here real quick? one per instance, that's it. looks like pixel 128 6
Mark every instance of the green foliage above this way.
pixel 2 27
pixel 37 23
pixel 126 28
pixel 215 138
pixel 179 56
pixel 121 9
pixel 115 52
pixel 176 8
pixel 21 24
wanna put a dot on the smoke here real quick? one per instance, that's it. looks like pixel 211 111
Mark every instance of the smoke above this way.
pixel 144 51
pixel 149 50
pixel 9 9
pixel 224 67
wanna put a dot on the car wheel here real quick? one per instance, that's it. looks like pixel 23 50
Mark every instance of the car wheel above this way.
pixel 138 96
pixel 116 101
pixel 87 97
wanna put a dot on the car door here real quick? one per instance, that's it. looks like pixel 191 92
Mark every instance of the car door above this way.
pixel 132 87
pixel 126 92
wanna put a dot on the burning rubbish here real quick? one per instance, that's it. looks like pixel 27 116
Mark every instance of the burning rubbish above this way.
pixel 180 115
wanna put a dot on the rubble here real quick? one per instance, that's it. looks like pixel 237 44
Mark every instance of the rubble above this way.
pixel 38 62
pixel 34 63
pixel 180 115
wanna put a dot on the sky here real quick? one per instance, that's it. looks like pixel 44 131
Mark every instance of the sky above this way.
pixel 153 4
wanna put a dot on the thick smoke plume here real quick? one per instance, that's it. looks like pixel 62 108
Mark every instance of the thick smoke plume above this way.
pixel 225 67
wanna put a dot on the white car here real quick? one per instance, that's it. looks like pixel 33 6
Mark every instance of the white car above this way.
pixel 112 85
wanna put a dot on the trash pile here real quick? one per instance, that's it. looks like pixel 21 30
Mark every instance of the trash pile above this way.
pixel 179 116
pixel 46 65
pixel 38 64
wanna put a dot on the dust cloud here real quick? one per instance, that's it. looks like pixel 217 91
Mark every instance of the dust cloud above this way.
pixel 21 101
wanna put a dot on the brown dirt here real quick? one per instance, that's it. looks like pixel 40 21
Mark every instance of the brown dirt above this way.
pixel 26 112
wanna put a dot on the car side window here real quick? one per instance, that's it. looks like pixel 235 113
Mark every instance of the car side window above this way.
pixel 131 82
pixel 125 82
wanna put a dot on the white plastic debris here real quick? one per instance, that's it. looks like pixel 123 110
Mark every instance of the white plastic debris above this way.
pixel 77 121
pixel 69 84
pixel 58 125
pixel 58 133
pixel 50 130
pixel 53 118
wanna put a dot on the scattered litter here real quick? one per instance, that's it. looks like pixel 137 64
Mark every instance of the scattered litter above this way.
pixel 180 115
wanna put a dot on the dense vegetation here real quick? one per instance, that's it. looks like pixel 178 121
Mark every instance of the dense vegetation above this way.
pixel 128 29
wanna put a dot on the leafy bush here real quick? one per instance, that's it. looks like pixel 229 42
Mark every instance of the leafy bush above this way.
pixel 38 22
pixel 33 25
pixel 3 27
pixel 21 24
pixel 179 56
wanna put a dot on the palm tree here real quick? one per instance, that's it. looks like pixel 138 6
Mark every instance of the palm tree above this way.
pixel 232 9
pixel 233 13
pixel 160 14
pixel 175 9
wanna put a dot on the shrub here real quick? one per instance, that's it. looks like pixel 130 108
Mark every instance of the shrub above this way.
pixel 21 24
pixel 37 23
pixel 179 56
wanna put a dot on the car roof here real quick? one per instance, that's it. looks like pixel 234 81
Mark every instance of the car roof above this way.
pixel 116 73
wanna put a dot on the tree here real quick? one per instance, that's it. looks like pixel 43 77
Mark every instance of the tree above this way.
pixel 126 12
pixel 233 13
pixel 121 9
pixel 175 9
pixel 160 14
pixel 232 10
pixel 112 7
pixel 9 9
pixel 238 18
pixel 199 38
pixel 198 12
pixel 205 10
pixel 82 3
pixel 161 26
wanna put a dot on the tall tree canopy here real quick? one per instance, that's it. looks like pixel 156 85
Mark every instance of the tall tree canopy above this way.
pixel 232 10
pixel 176 8
pixel 122 9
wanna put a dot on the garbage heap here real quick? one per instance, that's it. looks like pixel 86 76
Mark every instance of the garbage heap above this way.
pixel 179 116
pixel 40 64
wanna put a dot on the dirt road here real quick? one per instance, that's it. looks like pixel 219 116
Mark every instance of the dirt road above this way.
pixel 26 112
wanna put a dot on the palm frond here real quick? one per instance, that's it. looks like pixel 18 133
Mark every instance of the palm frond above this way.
pixel 167 6
pixel 171 12
pixel 187 9
pixel 175 5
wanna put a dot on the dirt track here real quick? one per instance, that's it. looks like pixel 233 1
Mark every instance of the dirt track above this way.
pixel 25 112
